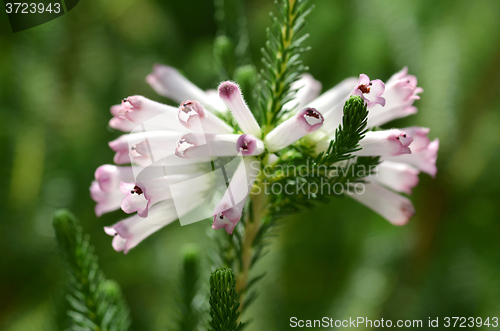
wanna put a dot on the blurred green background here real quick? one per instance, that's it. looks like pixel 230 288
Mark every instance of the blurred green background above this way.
pixel 58 80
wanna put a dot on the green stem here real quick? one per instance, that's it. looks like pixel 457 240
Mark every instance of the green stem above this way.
pixel 278 90
pixel 252 228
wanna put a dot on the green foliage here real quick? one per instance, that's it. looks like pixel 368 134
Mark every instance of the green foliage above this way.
pixel 348 134
pixel 282 59
pixel 317 178
pixel 95 303
pixel 231 44
pixel 224 301
pixel 329 173
pixel 224 57
pixel 189 309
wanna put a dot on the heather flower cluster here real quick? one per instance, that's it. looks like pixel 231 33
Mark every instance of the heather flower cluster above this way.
pixel 166 146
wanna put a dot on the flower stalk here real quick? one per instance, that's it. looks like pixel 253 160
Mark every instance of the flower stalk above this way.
pixel 252 223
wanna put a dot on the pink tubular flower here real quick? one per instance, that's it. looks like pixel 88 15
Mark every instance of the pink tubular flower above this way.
pixel 249 145
pixel 131 231
pixel 135 111
pixel 135 200
pixel 394 207
pixel 370 90
pixel 139 109
pixel 143 147
pixel 306 121
pixel 308 89
pixel 122 124
pixel 194 117
pixel 107 201
pixel 423 159
pixel 399 177
pixel 420 139
pixel 109 176
pixel 120 146
pixel 140 196
pixel 230 93
pixel 387 142
pixel 229 210
pixel 194 145
pixel 400 92
pixel 168 82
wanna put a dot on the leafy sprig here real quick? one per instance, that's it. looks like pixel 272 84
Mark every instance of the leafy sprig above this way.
pixel 95 303
pixel 333 167
pixel 224 301
pixel 336 167
pixel 281 59
pixel 189 314
pixel 348 134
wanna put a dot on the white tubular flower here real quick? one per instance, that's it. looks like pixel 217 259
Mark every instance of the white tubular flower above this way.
pixel 424 151
pixel 401 91
pixel 194 145
pixel 230 93
pixel 228 212
pixel 196 118
pixel 119 121
pixel 387 142
pixel 139 109
pixel 131 231
pixel 393 207
pixel 308 90
pixel 135 200
pixel 331 103
pixel 424 159
pixel 420 138
pixel 370 90
pixel 144 147
pixel 169 83
pixel 136 110
pixel 334 97
pixel 110 176
pixel 306 121
pixel 399 177
pixel 140 196
pixel 107 201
